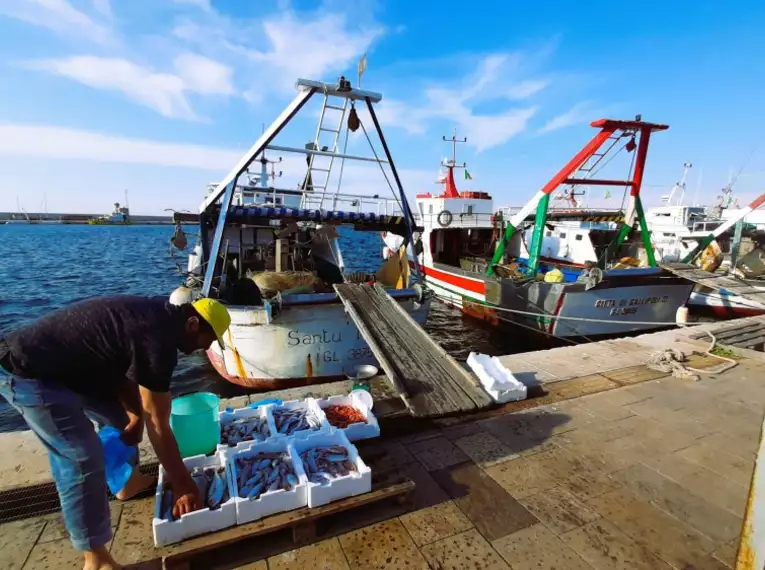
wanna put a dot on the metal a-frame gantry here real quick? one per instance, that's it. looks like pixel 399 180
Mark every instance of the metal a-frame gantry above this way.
pixel 585 161
pixel 224 191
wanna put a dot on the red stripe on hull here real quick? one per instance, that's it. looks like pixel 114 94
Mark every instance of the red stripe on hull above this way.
pixel 478 287
pixel 266 384
pixel 724 312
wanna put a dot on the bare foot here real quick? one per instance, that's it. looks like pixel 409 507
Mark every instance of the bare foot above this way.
pixel 100 559
pixel 137 484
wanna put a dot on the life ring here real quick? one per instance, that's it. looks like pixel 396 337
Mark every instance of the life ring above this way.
pixel 444 218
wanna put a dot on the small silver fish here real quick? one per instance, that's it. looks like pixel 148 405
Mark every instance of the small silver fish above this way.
pixel 254 492
pixel 245 473
pixel 215 493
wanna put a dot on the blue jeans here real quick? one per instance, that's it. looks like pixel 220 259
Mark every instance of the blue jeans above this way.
pixel 61 420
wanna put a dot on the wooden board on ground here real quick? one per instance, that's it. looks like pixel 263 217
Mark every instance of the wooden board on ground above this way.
pixel 723 283
pixel 302 522
pixel 430 382
pixel 748 336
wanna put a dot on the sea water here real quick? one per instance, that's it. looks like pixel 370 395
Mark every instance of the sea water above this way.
pixel 44 267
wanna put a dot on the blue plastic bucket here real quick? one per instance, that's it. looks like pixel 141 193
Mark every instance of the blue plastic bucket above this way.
pixel 195 423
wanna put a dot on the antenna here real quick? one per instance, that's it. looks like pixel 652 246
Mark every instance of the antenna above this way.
pixel 455 141
pixel 126 199
pixel 698 187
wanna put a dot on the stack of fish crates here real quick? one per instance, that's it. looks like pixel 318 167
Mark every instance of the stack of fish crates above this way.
pixel 276 458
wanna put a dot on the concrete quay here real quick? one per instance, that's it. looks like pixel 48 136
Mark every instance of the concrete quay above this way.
pixel 611 465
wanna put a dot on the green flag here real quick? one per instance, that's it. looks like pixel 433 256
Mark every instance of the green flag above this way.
pixel 467 175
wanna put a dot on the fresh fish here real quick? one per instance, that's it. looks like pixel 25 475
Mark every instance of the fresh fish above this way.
pixel 274 486
pixel 215 493
pixel 336 458
pixel 254 492
pixel 292 481
pixel 264 464
pixel 166 507
pixel 245 474
pixel 200 479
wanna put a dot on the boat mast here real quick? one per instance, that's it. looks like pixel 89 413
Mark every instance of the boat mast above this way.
pixel 680 186
pixel 222 195
pixel 610 130
pixel 451 188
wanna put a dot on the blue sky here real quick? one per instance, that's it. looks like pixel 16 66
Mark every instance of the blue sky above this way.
pixel 162 96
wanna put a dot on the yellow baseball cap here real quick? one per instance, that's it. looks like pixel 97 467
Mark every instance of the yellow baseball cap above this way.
pixel 215 315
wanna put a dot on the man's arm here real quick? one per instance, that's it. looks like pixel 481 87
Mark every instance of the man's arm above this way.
pixel 156 406
pixel 130 399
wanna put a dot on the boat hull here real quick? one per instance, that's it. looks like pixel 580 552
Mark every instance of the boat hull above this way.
pixel 710 303
pixel 301 345
pixel 617 311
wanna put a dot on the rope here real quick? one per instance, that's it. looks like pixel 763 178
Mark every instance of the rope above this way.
pixel 629 177
pixel 671 361
pixel 382 169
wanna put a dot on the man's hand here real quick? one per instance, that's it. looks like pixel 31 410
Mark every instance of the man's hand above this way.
pixel 132 435
pixel 187 500
pixel 156 407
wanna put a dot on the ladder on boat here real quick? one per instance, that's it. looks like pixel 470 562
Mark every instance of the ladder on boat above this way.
pixel 320 165
pixel 429 381
pixel 725 285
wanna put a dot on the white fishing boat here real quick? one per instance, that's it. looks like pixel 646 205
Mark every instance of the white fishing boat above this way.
pixel 273 255
pixel 491 267
pixel 678 232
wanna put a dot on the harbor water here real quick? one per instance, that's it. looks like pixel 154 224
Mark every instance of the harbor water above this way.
pixel 44 267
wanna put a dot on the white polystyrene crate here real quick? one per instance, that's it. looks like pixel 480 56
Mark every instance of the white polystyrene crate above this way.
pixel 357 431
pixel 309 403
pixel 350 485
pixel 199 522
pixel 227 417
pixel 270 502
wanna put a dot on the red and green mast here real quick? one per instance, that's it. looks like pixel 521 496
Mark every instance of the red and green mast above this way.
pixel 639 135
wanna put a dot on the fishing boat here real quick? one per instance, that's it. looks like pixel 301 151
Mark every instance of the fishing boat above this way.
pixel 491 265
pixel 273 255
pixel 679 233
pixel 120 216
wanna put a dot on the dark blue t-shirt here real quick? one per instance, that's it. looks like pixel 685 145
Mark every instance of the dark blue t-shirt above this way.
pixel 92 346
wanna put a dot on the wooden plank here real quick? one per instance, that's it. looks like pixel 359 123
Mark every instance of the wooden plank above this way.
pixel 715 282
pixel 298 518
pixel 752 343
pixel 745 335
pixel 462 380
pixel 433 383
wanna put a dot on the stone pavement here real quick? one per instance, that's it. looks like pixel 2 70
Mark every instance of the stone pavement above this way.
pixel 649 476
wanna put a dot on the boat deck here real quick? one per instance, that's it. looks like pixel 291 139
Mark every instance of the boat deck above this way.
pixel 430 382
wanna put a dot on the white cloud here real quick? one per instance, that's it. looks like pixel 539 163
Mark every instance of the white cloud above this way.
pixel 52 142
pixel 526 89
pixel 485 132
pixel 164 92
pixel 48 142
pixel 57 15
pixel 576 115
pixel 204 75
pixel 204 5
pixel 307 47
pixel 494 81
pixel 103 7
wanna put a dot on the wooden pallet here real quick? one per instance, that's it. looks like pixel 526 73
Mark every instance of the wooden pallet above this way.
pixel 302 522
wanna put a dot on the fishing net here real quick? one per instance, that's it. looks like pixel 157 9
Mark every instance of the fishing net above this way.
pixel 271 282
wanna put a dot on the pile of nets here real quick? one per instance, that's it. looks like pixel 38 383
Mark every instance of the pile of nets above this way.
pixel 285 282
